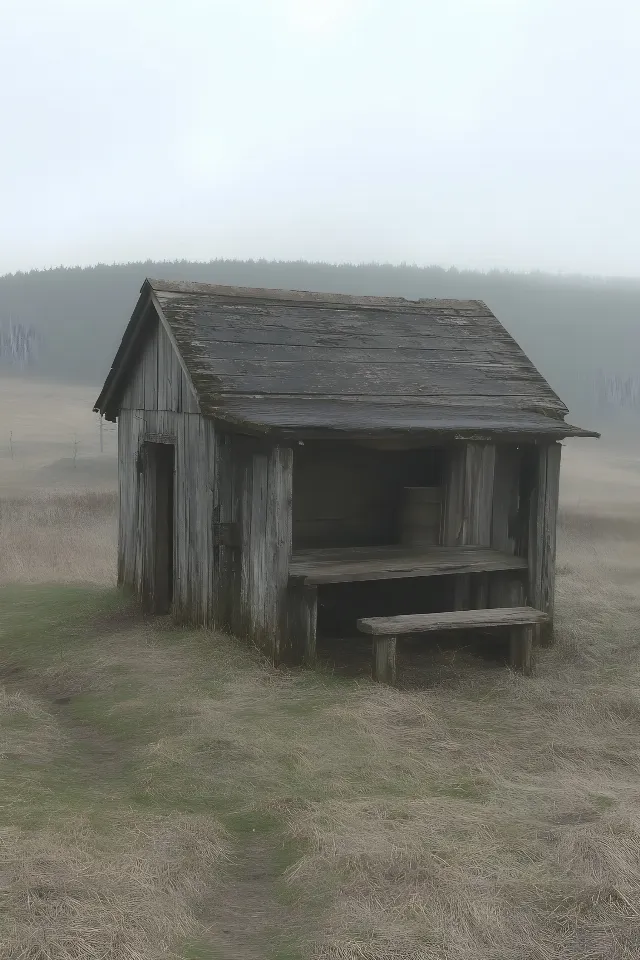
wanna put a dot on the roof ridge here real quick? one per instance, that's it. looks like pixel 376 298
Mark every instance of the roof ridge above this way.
pixel 191 287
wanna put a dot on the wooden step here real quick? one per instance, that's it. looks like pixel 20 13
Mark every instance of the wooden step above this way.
pixel 452 620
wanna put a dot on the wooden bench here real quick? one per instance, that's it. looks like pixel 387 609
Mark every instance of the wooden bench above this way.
pixel 520 621
pixel 310 569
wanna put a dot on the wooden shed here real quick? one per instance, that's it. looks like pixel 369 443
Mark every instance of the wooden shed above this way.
pixel 294 462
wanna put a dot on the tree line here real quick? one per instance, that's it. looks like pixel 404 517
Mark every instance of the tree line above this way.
pixel 575 329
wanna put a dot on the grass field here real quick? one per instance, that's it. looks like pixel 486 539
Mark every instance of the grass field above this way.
pixel 166 793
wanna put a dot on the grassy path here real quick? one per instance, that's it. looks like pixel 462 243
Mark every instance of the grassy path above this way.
pixel 164 793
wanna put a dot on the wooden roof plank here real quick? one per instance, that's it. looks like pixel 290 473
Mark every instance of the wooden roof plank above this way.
pixel 287 348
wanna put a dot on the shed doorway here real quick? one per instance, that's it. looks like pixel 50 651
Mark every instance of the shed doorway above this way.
pixel 162 463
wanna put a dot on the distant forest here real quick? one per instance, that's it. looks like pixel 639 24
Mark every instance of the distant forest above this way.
pixel 583 334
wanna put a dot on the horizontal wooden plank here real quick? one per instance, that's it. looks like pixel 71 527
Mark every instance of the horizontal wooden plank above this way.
pixel 187 317
pixel 306 378
pixel 365 417
pixel 261 352
pixel 344 565
pixel 176 288
pixel 452 620
pixel 250 332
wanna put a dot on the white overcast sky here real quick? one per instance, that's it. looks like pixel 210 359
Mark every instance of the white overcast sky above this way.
pixel 475 133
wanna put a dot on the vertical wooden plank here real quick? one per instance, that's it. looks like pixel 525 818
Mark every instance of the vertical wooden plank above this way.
pixel 468 510
pixel 163 348
pixel 506 495
pixel 453 512
pixel 207 521
pixel 150 360
pixel 224 513
pixel 177 378
pixel 384 660
pixel 257 554
pixel 478 494
pixel 478 509
pixel 241 620
pixel 181 573
pixel 505 589
pixel 548 572
pixel 278 535
pixel 453 516
pixel 543 512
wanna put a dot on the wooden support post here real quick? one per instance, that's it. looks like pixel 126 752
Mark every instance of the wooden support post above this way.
pixel 303 618
pixel 543 512
pixel 520 648
pixel 384 660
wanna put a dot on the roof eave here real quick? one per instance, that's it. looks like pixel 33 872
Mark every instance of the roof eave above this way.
pixel 289 434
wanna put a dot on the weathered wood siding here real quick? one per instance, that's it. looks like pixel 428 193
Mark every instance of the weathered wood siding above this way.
pixel 254 496
pixel 543 515
pixel 159 406
pixel 506 524
pixel 158 380
pixel 468 510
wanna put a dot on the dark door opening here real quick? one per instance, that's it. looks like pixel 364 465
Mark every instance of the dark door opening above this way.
pixel 164 457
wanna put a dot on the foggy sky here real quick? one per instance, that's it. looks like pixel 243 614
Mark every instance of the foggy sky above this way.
pixel 475 133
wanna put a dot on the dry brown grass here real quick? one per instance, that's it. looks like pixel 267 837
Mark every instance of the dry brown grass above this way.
pixel 59 538
pixel 71 895
pixel 470 814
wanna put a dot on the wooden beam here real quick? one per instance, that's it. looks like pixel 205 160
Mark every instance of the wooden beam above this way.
pixel 543 513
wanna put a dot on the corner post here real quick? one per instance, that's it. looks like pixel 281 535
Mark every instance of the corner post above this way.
pixel 543 517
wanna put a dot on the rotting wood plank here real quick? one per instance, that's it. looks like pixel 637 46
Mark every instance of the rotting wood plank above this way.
pixel 451 620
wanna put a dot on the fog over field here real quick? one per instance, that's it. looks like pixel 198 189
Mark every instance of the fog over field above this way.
pixel 167 793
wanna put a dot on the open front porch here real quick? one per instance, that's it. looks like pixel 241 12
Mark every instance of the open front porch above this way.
pixel 472 574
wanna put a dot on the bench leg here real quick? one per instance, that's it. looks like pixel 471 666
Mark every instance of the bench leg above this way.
pixel 384 659
pixel 520 646
pixel 303 617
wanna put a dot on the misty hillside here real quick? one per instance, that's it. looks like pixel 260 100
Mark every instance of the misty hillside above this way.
pixel 575 329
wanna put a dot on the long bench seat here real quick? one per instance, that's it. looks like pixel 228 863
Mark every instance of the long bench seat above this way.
pixel 520 621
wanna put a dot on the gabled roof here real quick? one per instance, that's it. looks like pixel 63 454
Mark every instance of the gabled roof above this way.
pixel 299 362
